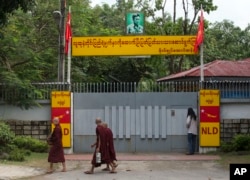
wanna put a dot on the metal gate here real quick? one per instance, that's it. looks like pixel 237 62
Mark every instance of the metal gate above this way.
pixel 141 122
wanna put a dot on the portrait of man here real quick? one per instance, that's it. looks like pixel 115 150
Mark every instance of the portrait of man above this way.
pixel 135 23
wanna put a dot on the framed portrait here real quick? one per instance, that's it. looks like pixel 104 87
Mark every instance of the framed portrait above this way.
pixel 135 23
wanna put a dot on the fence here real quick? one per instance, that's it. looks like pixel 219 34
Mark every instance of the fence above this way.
pixel 36 129
pixel 232 127
pixel 42 91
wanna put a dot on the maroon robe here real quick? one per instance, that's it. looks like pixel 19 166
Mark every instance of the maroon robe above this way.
pixel 105 156
pixel 110 144
pixel 56 153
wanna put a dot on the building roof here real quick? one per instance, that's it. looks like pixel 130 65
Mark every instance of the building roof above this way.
pixel 217 68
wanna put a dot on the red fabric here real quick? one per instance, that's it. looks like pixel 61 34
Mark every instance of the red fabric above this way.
pixel 105 156
pixel 68 34
pixel 56 153
pixel 110 144
pixel 200 33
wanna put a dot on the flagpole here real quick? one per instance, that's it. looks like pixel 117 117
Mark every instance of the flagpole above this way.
pixel 201 61
pixel 201 56
pixel 69 57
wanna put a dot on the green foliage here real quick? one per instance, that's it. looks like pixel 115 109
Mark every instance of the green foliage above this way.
pixel 20 93
pixel 8 6
pixel 6 136
pixel 16 148
pixel 17 155
pixel 28 53
pixel 7 148
pixel 29 44
pixel 240 142
pixel 29 143
pixel 226 147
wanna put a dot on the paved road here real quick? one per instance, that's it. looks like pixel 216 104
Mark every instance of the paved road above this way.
pixel 157 167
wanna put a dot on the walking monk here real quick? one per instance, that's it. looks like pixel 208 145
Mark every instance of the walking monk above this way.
pixel 100 146
pixel 111 148
pixel 56 153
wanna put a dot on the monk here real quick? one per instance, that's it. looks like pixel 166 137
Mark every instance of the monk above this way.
pixel 111 148
pixel 56 154
pixel 100 146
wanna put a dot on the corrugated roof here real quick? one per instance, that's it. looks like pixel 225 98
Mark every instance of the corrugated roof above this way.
pixel 217 68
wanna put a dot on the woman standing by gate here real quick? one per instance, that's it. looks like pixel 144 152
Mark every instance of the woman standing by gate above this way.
pixel 191 124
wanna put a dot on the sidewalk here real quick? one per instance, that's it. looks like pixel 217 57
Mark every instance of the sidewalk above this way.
pixel 128 162
pixel 149 157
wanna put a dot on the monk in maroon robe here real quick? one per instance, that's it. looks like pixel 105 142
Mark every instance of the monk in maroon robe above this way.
pixel 111 148
pixel 56 154
pixel 100 146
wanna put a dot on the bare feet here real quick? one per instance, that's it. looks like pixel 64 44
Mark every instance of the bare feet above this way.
pixel 89 172
pixel 49 171
pixel 106 169
pixel 63 170
pixel 113 171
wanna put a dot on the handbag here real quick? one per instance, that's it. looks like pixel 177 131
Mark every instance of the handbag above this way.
pixel 98 157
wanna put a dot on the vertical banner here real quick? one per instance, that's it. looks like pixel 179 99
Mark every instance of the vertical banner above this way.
pixel 209 118
pixel 61 108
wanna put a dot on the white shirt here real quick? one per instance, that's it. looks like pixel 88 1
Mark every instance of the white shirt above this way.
pixel 193 126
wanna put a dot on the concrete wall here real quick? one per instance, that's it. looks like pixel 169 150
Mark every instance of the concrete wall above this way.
pixel 141 122
pixel 42 113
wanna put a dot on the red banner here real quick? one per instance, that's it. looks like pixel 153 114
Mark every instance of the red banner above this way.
pixel 209 113
pixel 62 113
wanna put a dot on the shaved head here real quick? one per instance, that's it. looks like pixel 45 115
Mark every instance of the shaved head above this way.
pixel 98 120
pixel 105 125
pixel 56 120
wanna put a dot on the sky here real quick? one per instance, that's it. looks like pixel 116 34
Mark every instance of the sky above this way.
pixel 236 11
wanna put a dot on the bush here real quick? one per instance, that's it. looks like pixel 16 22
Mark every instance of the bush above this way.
pixel 239 142
pixel 32 144
pixel 6 136
pixel 16 155
pixel 7 148
pixel 226 147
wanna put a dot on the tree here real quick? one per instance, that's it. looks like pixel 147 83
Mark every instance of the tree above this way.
pixel 104 20
pixel 29 44
pixel 168 24
pixel 227 42
pixel 28 53
pixel 8 6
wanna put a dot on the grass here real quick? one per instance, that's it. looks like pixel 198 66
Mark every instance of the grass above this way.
pixel 242 157
pixel 38 160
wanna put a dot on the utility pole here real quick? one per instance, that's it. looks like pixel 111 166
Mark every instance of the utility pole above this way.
pixel 59 17
pixel 61 68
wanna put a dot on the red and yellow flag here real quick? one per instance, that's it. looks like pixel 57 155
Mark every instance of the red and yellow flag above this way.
pixel 200 33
